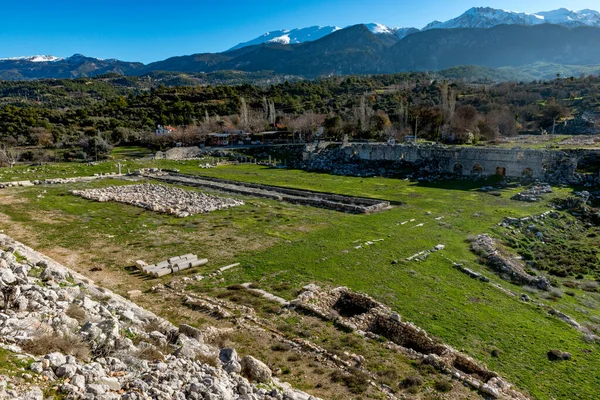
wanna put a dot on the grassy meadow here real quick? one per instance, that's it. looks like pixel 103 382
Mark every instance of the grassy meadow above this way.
pixel 282 247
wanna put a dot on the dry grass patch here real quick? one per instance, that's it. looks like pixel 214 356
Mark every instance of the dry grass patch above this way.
pixel 69 344
pixel 76 312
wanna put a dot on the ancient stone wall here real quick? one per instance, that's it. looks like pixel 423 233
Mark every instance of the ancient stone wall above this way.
pixel 457 160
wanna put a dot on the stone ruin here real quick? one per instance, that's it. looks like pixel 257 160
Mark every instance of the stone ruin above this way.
pixel 432 160
pixel 171 265
pixel 505 265
pixel 113 349
pixel 533 194
pixel 362 314
pixel 160 198
pixel 350 204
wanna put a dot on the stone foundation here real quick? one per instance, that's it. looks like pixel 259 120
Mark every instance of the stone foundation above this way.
pixel 362 314
pixel 357 205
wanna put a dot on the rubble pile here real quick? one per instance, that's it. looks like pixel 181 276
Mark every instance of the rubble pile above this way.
pixel 160 198
pixel 113 348
pixel 533 194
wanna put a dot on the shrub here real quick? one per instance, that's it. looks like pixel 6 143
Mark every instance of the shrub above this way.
pixel 356 381
pixel 411 381
pixel 443 385
pixel 280 347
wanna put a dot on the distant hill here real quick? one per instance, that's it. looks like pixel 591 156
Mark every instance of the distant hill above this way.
pixel 356 50
pixel 26 68
pixel 500 46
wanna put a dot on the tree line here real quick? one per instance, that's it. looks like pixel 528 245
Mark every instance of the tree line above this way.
pixel 88 113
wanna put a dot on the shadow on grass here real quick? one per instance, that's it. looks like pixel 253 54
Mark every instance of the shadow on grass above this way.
pixel 133 271
pixel 466 184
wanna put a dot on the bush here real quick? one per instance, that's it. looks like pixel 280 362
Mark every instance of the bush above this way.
pixel 356 381
pixel 280 347
pixel 411 381
pixel 443 385
pixel 74 155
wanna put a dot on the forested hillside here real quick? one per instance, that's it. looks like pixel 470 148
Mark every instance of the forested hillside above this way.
pixel 120 110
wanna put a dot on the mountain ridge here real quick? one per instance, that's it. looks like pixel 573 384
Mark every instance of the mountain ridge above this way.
pixel 475 17
pixel 366 49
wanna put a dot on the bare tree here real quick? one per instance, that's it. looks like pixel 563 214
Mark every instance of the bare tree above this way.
pixel 307 124
pixel 243 114
pixel 269 109
pixel 8 155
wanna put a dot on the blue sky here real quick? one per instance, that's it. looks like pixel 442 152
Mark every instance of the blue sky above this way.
pixel 152 30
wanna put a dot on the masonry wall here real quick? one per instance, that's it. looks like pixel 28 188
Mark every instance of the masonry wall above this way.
pixel 466 161
pixel 463 160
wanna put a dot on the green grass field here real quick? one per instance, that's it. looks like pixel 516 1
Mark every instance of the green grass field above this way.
pixel 282 247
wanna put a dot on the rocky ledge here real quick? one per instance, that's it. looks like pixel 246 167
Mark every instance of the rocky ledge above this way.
pixel 85 342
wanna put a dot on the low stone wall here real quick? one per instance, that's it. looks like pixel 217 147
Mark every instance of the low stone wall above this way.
pixel 57 181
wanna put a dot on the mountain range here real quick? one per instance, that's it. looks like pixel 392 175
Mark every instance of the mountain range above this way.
pixel 483 37
pixel 476 17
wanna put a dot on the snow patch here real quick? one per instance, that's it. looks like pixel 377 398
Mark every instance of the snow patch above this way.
pixel 285 39
pixel 38 58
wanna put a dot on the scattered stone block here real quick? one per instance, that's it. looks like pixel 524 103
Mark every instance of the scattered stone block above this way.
pixel 132 294
pixel 558 355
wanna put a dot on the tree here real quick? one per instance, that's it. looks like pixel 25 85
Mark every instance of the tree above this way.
pixel 243 114
pixel 8 155
pixel 41 136
pixel 95 147
pixel 379 124
pixel 333 125
pixel 553 112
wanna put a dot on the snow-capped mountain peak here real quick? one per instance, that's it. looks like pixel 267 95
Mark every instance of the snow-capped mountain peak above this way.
pixel 38 58
pixel 486 17
pixel 290 36
pixel 301 35
pixel 380 29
